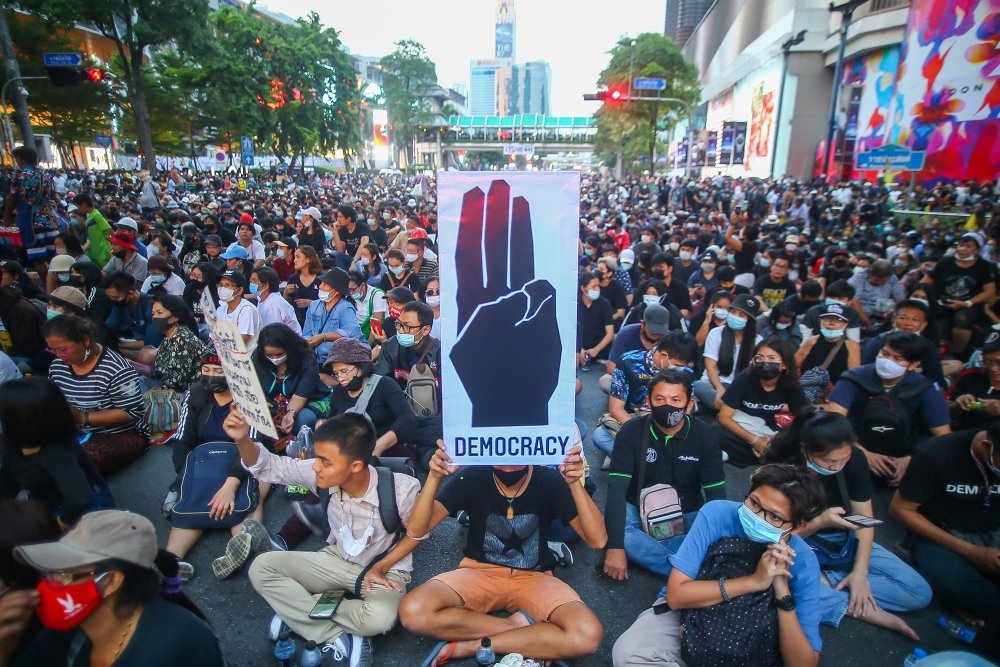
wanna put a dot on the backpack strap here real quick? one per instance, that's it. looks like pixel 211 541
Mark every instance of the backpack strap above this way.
pixel 371 382
pixel 912 390
pixel 870 387
pixel 647 423
pixel 845 497
pixel 829 358
pixel 389 513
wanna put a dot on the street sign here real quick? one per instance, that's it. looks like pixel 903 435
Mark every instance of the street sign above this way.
pixel 246 150
pixel 890 156
pixel 649 83
pixel 518 149
pixel 103 140
pixel 62 59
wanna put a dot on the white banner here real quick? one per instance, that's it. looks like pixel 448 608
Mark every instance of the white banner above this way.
pixel 508 262
pixel 518 149
pixel 238 367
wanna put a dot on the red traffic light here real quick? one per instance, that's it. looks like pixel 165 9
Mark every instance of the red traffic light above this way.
pixel 94 75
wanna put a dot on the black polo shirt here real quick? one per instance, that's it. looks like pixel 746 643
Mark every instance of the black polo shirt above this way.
pixel 689 461
pixel 590 323
pixel 976 382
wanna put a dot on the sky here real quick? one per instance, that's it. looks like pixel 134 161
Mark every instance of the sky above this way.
pixel 573 37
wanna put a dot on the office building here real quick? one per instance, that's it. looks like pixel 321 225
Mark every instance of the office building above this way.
pixel 681 17
pixel 490 89
pixel 530 85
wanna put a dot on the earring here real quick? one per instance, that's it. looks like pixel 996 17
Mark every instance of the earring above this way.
pixel 86 355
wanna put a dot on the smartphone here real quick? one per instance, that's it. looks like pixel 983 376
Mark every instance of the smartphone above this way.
pixel 327 605
pixel 862 520
pixel 377 328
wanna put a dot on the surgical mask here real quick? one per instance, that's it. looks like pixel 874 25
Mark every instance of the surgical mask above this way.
pixel 781 326
pixel 157 280
pixel 685 255
pixel 214 383
pixel 351 545
pixel 226 294
pixel 817 469
pixel 433 300
pixel 793 275
pixel 405 339
pixel 721 313
pixel 363 261
pixel 594 294
pixel 356 296
pixel 51 314
pixel 626 266
pixel 831 334
pixel 707 267
pixel 767 370
pixel 63 278
pixel 667 416
pixel 411 257
pixel 255 289
pixel 675 246
pixel 887 369
pixel 277 361
pixel 791 247
pixel 62 608
pixel 589 252
pixel 650 299
pixel 397 270
pixel 279 253
pixel 964 257
pixel 764 262
pixel 735 322
pixel 325 296
pixel 757 529
pixel 646 239
pixel 833 302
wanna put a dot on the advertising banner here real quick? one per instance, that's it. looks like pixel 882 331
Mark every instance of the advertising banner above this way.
pixel 508 263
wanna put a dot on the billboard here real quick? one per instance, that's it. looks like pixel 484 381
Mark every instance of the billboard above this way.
pixel 380 134
pixel 505 29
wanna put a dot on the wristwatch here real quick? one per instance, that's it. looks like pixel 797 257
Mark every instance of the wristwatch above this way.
pixel 786 603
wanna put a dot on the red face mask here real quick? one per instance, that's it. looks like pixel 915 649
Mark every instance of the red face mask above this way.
pixel 62 608
pixel 394 312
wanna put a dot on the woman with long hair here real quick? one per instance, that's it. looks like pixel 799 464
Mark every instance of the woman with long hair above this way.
pixel 303 287
pixel 176 360
pixel 728 350
pixel 370 264
pixel 203 276
pixel 289 376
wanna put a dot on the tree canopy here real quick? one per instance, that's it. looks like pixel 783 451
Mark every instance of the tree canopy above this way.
pixel 407 73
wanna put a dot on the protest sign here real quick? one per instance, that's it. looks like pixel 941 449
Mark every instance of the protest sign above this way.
pixel 508 261
pixel 238 367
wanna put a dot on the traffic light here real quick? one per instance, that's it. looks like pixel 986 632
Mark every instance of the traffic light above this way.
pixel 615 94
pixel 94 75
pixel 72 76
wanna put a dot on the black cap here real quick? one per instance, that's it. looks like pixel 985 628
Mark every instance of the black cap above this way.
pixel 992 342
pixel 338 279
pixel 748 304
pixel 709 256
pixel 235 277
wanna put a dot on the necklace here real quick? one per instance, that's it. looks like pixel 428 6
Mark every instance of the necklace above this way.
pixel 510 499
pixel 121 642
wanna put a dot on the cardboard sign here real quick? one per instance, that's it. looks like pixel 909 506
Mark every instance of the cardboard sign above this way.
pixel 508 261
pixel 238 367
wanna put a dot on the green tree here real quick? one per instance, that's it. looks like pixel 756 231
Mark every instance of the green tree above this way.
pixel 406 73
pixel 136 27
pixel 628 129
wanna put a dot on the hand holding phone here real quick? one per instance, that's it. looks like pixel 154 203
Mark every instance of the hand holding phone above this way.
pixel 862 521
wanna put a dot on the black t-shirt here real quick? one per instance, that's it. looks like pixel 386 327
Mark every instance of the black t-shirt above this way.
pixel 747 395
pixel 772 293
pixel 974 381
pixel 614 293
pixel 744 257
pixel 858 480
pixel 60 476
pixel 950 488
pixel 591 323
pixel 353 239
pixel 688 461
pixel 519 543
pixel 166 635
pixel 378 236
pixel 952 281
pixel 388 408
pixel 678 294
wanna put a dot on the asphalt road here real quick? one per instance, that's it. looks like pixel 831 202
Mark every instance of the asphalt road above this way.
pixel 241 618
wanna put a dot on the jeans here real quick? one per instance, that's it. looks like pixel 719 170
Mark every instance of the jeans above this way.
pixel 895 586
pixel 955 578
pixel 343 260
pixel 646 552
pixel 305 417
pixel 603 440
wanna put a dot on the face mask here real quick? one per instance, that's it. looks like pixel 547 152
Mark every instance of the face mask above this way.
pixel 646 239
pixel 353 546
pixel 764 262
pixel 51 314
pixel 781 326
pixel 626 266
pixel 394 312
pixel 157 280
pixel 831 302
pixel 757 529
pixel 857 270
pixel 120 255
pixel 433 300
pixel 721 313
pixel 161 324
pixel 75 281
pixel 62 608
pixel 594 295
pixel 406 339
pixel 279 253
pixel 685 255
pixel 214 383
pixel 791 247
pixel 510 478
pixel 793 275
pixel 589 252
pixel 832 334
pixel 840 263
pixel 707 267
pixel 667 416
pixel 397 270
pixel 363 261
pixel 735 323
pixel 817 469
pixel 277 361
pixel 675 246
pixel 887 369
pixel 226 294
pixel 650 299
pixel 658 274
pixel 767 370
pixel 255 289
pixel 411 257
pixel 63 278
pixel 325 296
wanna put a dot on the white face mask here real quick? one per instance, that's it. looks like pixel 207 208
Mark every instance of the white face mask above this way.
pixel 650 299
pixel 226 294
pixel 325 296
pixel 626 266
pixel 594 295
pixel 685 255
pixel 647 239
pixel 351 545
pixel 279 253
pixel 433 300
pixel 675 246
pixel 411 257
pixel 887 369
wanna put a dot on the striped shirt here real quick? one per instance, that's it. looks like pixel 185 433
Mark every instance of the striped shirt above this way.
pixel 112 383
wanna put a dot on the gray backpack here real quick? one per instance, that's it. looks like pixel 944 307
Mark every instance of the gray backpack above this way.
pixel 422 391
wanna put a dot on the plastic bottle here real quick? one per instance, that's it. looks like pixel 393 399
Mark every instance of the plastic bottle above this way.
pixel 284 649
pixel 910 660
pixel 484 654
pixel 311 656
pixel 957 629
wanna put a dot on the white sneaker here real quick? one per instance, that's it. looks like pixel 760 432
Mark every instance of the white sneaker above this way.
pixel 277 625
pixel 350 650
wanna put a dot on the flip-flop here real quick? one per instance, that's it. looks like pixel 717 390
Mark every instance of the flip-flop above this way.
pixel 442 651
pixel 522 612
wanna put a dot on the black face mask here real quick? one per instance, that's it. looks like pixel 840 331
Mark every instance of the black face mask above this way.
pixel 667 416
pixel 658 274
pixel 120 255
pixel 76 281
pixel 214 384
pixel 197 284
pixel 767 370
pixel 355 383
pixel 511 478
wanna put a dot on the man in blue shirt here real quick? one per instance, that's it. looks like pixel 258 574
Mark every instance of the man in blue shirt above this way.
pixel 781 500
pixel 332 316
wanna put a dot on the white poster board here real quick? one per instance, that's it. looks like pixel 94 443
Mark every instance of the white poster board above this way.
pixel 238 367
pixel 507 247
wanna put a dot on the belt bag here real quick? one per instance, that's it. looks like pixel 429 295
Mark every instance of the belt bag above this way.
pixel 660 512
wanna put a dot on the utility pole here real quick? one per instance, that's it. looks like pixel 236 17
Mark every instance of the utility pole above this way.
pixel 846 10
pixel 785 49
pixel 17 97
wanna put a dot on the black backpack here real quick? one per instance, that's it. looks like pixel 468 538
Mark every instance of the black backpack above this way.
pixel 886 426
pixel 388 510
pixel 740 633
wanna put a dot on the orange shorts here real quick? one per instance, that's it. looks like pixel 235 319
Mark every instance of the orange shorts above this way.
pixel 486 588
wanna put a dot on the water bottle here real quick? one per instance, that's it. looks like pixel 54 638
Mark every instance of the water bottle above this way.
pixel 311 656
pixel 958 630
pixel 918 654
pixel 484 654
pixel 284 649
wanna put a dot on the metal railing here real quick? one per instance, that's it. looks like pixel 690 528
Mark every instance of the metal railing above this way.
pixel 885 5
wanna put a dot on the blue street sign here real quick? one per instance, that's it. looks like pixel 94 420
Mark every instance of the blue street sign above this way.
pixel 103 140
pixel 246 150
pixel 891 156
pixel 649 83
pixel 62 59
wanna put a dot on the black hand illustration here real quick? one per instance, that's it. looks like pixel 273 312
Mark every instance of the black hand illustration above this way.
pixel 508 348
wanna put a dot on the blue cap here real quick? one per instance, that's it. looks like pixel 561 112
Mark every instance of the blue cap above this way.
pixel 236 252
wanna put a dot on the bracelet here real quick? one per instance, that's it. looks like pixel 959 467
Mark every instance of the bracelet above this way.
pixel 722 589
pixel 417 539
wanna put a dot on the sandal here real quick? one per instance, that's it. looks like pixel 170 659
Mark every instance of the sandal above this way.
pixel 441 652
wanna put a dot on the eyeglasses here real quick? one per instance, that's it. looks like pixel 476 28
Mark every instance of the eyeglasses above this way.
pixel 67 578
pixel 775 520
pixel 407 328
pixel 337 375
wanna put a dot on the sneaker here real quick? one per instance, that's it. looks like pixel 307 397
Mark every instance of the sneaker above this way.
pixel 168 503
pixel 237 552
pixel 276 628
pixel 185 570
pixel 260 540
pixel 725 456
pixel 351 650
pixel 313 515
pixel 562 553
pixel 463 518
pixel 512 660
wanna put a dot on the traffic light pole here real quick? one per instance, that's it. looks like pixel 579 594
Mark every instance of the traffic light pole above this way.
pixel 8 132
pixel 13 73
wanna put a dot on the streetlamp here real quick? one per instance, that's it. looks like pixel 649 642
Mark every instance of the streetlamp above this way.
pixel 631 65
pixel 847 12
pixel 785 48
